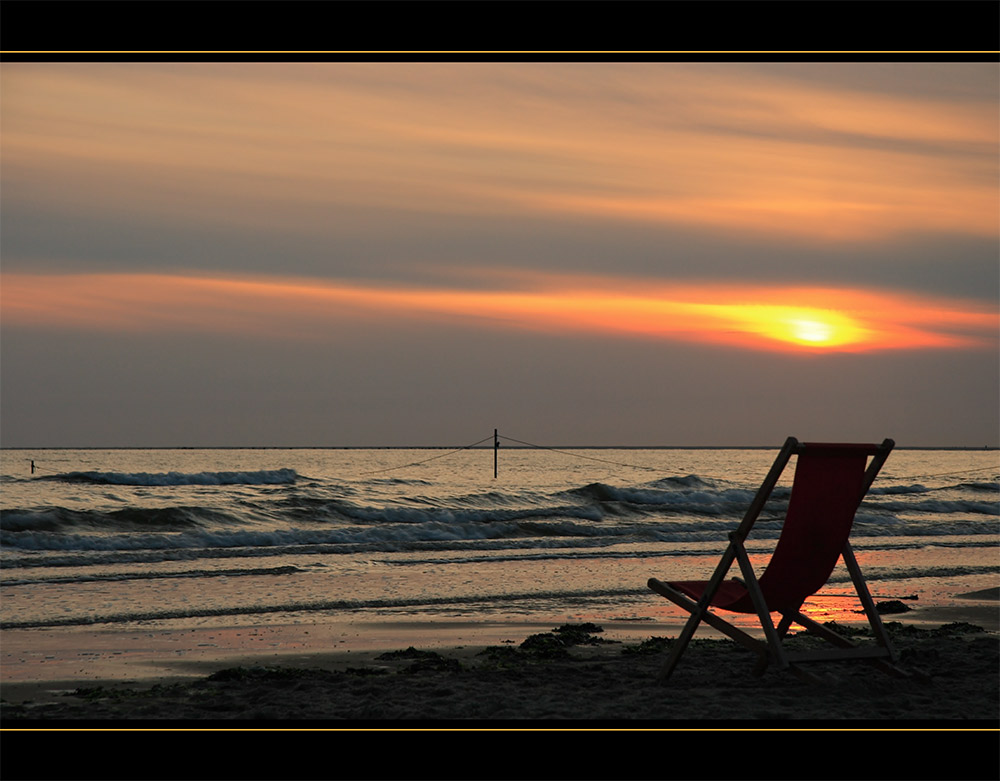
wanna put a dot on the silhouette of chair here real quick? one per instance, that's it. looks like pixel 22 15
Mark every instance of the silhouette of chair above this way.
pixel 830 482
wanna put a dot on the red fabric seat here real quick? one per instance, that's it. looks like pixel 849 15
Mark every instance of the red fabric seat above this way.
pixel 828 481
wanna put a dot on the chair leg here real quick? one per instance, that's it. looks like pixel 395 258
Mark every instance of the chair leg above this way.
pixel 680 644
pixel 780 632
pixel 699 613
pixel 763 614
pixel 787 619
pixel 842 642
pixel 861 586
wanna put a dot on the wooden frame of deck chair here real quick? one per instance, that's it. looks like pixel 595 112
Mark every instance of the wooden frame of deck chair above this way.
pixel 830 482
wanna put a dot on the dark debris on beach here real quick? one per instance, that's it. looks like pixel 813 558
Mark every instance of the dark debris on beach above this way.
pixel 567 674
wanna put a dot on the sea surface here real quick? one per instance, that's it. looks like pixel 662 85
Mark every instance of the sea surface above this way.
pixel 189 537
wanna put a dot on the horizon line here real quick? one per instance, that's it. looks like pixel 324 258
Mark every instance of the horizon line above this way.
pixel 485 447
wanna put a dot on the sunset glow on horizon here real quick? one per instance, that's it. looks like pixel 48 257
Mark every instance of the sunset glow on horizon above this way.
pixel 600 252
pixel 285 308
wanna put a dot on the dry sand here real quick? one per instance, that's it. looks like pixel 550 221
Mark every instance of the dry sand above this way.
pixel 503 700
pixel 608 682
pixel 459 672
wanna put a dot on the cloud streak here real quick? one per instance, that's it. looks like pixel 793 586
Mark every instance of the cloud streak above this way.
pixel 712 147
pixel 652 248
pixel 748 316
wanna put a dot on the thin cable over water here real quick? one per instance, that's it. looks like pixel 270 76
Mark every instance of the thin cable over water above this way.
pixel 36 467
pixel 432 458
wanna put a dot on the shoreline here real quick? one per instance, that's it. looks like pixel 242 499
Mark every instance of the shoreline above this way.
pixel 43 663
pixel 453 671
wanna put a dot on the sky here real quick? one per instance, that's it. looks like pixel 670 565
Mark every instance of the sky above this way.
pixel 574 253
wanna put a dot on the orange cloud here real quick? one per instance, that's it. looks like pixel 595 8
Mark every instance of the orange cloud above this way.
pixel 755 317
pixel 697 145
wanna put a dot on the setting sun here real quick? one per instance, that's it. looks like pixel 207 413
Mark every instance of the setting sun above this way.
pixel 793 327
pixel 601 252
pixel 303 308
pixel 816 328
pixel 811 331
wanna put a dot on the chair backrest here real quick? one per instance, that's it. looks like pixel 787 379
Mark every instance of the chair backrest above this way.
pixel 830 482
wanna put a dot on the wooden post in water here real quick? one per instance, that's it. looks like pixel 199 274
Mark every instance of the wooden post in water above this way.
pixel 496 451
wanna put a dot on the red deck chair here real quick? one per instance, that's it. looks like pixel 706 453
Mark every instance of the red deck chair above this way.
pixel 830 482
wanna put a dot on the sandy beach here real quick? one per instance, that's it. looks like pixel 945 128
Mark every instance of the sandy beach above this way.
pixel 579 700
pixel 447 671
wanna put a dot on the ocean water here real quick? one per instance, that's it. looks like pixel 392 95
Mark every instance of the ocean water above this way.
pixel 195 537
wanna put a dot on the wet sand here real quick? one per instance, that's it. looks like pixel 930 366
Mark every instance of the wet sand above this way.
pixel 293 701
pixel 352 672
